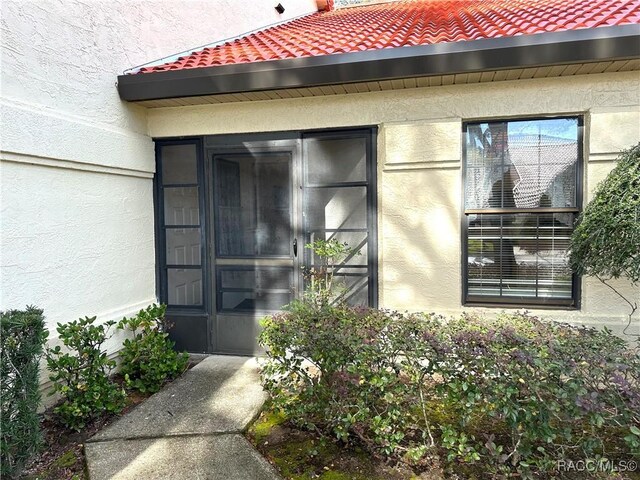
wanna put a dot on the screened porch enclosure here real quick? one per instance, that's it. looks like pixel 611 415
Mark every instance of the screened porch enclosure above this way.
pixel 234 214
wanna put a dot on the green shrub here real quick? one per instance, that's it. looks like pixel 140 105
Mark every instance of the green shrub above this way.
pixel 611 223
pixel 606 241
pixel 510 395
pixel 149 358
pixel 23 336
pixel 321 286
pixel 82 374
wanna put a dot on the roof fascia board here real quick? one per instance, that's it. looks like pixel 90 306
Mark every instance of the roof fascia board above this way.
pixel 555 48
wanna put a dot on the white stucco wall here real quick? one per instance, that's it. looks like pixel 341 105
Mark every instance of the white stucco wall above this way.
pixel 75 177
pixel 419 174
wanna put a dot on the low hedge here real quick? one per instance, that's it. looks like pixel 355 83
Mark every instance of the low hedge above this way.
pixel 23 336
pixel 477 396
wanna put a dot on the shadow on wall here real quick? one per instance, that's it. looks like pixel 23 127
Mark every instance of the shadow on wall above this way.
pixel 420 227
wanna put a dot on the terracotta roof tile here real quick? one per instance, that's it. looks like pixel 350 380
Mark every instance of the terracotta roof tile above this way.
pixel 408 23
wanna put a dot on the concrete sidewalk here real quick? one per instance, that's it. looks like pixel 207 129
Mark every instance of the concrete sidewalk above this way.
pixel 190 430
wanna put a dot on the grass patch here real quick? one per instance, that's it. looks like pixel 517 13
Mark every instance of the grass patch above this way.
pixel 302 455
pixel 66 460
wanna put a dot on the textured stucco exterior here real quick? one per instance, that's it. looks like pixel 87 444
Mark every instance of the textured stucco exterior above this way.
pixel 77 233
pixel 76 203
pixel 419 167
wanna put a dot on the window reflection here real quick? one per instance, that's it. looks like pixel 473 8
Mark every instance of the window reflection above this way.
pixel 512 166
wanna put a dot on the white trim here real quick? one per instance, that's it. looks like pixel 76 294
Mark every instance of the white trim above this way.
pixel 437 165
pixel 603 157
pixel 43 110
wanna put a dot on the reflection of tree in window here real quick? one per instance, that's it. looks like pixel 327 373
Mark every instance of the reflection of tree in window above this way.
pixel 502 193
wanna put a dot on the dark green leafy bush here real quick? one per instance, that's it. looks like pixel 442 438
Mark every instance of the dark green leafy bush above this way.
pixel 81 373
pixel 606 241
pixel 149 358
pixel 23 337
pixel 511 395
pixel 611 223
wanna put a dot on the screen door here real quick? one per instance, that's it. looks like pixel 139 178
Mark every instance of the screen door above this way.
pixel 256 250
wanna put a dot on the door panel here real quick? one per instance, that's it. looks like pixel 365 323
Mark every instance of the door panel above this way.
pixel 253 205
pixel 183 246
pixel 250 289
pixel 185 286
pixel 180 242
pixel 336 208
pixel 190 332
pixel 237 334
pixel 339 204
pixel 181 205
pixel 227 221
pixel 336 160
pixel 179 163
pixel 255 221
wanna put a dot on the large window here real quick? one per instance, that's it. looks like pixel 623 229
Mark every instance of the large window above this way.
pixel 522 195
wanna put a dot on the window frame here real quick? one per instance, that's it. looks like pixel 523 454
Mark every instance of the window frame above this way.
pixel 162 271
pixel 574 303
pixel 370 135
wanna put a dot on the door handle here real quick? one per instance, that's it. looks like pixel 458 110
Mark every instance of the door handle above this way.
pixel 295 247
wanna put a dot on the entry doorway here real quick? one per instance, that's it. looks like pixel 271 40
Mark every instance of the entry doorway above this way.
pixel 263 198
pixel 256 255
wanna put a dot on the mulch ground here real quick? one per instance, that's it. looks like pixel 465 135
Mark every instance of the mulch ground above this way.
pixel 62 456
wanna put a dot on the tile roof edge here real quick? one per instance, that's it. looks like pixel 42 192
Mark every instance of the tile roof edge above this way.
pixel 176 56
pixel 573 46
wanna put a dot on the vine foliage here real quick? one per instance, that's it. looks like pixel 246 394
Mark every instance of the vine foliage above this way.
pixel 606 241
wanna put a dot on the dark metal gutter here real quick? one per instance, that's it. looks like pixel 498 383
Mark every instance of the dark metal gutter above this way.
pixel 556 48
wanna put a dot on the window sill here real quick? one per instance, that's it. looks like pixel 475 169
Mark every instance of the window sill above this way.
pixel 520 306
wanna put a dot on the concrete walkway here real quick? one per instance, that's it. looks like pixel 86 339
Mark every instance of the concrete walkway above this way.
pixel 190 430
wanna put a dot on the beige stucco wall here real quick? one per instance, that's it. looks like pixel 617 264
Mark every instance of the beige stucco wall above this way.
pixel 419 159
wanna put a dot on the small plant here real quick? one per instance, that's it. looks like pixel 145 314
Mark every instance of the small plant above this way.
pixel 149 358
pixel 23 336
pixel 81 374
pixel 321 287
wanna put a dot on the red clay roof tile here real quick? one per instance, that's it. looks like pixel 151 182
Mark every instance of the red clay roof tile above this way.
pixel 408 23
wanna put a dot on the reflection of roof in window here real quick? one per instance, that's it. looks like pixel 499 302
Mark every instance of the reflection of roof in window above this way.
pixel 546 170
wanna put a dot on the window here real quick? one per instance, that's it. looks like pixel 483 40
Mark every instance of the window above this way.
pixel 338 203
pixel 522 194
pixel 181 223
